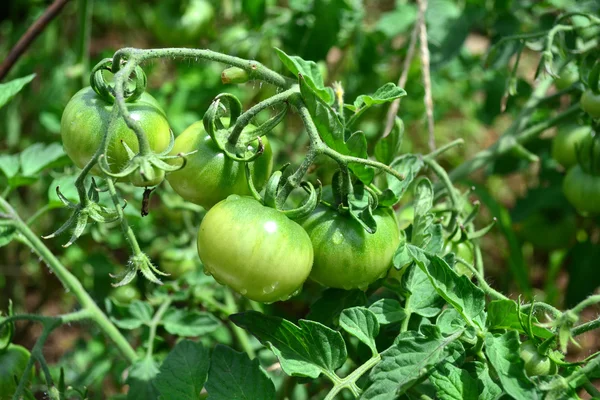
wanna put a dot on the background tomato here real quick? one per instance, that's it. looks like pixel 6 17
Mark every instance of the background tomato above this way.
pixel 582 190
pixel 178 262
pixel 125 294
pixel 86 118
pixel 255 250
pixel 536 364
pixel 209 176
pixel 590 103
pixel 346 256
pixel 564 149
pixel 13 360
pixel 550 229
pixel 568 76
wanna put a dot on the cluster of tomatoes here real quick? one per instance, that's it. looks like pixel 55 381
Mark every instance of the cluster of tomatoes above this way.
pixel 254 249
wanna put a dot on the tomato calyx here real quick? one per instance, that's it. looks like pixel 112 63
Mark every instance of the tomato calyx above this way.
pixel 232 140
pixel 106 92
pixel 88 209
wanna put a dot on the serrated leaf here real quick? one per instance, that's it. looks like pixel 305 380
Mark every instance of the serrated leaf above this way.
pixel 38 156
pixel 327 308
pixel 503 353
pixel 409 166
pixel 388 311
pixel 140 377
pixel 411 357
pixel 360 207
pixel 183 373
pixel 453 383
pixel 423 202
pixel 310 71
pixel 503 315
pixel 361 323
pixel 387 148
pixel 385 94
pixel 459 291
pixel 357 147
pixel 189 323
pixel 233 375
pixel 308 349
pixel 424 299
pixel 133 316
pixel 10 89
pixel 489 389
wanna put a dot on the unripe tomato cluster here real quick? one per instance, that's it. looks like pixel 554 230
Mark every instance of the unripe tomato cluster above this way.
pixel 254 249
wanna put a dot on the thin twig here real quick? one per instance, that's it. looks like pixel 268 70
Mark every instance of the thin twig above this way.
pixel 410 53
pixel 424 47
pixel 28 37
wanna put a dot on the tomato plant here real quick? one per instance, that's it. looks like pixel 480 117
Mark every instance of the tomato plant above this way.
pixel 208 176
pixel 13 361
pixel 564 145
pixel 271 257
pixel 536 364
pixel 582 189
pixel 590 103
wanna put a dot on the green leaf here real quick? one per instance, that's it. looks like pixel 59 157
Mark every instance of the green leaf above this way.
pixel 423 202
pixel 387 148
pixel 450 321
pixel 233 375
pixel 453 383
pixel 361 323
pixel 459 291
pixel 503 315
pixel 7 234
pixel 140 377
pixel 331 130
pixel 10 89
pixel 360 206
pixel 327 308
pixel 406 362
pixel 9 164
pixel 489 389
pixel 398 21
pixel 309 71
pixel 189 323
pixel 387 311
pixel 38 156
pixel 357 147
pixel 183 373
pixel 135 315
pixel 385 94
pixel 67 188
pixel 424 298
pixel 304 350
pixel 409 166
pixel 503 353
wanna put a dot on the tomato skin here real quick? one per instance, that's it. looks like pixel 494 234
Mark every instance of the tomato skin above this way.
pixel 125 294
pixel 346 256
pixel 536 364
pixel 568 76
pixel 209 176
pixel 465 252
pixel 136 178
pixel 564 149
pixel 255 250
pixel 590 103
pixel 13 360
pixel 177 262
pixel 86 118
pixel 582 190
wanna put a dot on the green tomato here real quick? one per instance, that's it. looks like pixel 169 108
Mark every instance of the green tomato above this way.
pixel 589 154
pixel 464 251
pixel 590 103
pixel 13 361
pixel 138 180
pixel 550 230
pixel 582 190
pixel 583 28
pixel 125 294
pixel 177 262
pixel 536 364
pixel 564 149
pixel 209 176
pixel 346 256
pixel 85 120
pixel 255 250
pixel 568 76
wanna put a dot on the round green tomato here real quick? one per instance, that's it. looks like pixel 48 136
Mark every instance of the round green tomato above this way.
pixel 209 176
pixel 138 180
pixel 85 120
pixel 550 230
pixel 125 294
pixel 177 262
pixel 568 76
pixel 583 28
pixel 346 256
pixel 589 154
pixel 536 364
pixel 564 149
pixel 255 250
pixel 590 103
pixel 13 361
pixel 582 190
pixel 464 251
